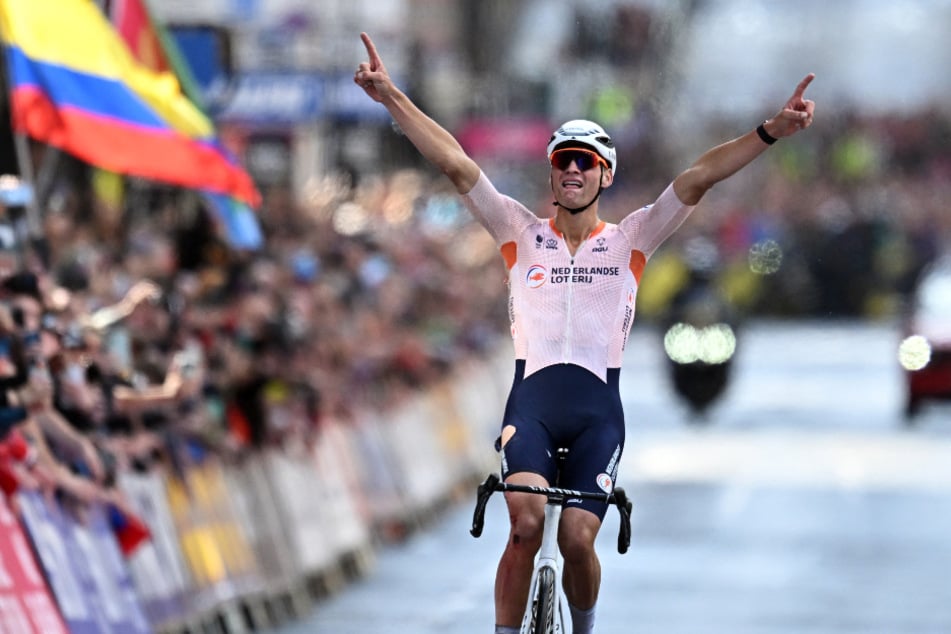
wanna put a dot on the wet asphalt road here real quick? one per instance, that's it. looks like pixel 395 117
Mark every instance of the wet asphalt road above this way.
pixel 803 505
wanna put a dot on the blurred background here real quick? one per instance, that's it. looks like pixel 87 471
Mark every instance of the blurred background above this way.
pixel 789 357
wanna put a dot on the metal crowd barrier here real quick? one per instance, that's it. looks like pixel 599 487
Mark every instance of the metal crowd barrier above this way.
pixel 246 546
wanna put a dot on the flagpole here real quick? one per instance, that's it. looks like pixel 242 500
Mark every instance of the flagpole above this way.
pixel 46 175
pixel 32 218
pixel 25 166
pixel 25 163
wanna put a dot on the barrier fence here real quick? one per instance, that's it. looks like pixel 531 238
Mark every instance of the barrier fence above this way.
pixel 242 546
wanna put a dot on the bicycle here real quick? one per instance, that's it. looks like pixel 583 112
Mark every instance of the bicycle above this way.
pixel 546 607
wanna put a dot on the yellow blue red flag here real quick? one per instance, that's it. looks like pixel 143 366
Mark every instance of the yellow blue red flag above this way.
pixel 75 85
pixel 152 47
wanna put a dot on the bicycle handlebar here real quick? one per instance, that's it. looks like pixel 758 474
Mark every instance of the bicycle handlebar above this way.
pixel 618 498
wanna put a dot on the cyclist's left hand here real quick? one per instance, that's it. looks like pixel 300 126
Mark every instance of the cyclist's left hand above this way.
pixel 371 75
pixel 797 114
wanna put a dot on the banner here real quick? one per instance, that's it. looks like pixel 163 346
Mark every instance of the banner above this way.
pixel 85 570
pixel 75 85
pixel 26 605
pixel 157 567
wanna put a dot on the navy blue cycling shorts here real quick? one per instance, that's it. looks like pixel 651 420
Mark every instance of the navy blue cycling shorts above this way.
pixel 566 406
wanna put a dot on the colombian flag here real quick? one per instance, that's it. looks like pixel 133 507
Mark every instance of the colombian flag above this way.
pixel 75 85
pixel 152 47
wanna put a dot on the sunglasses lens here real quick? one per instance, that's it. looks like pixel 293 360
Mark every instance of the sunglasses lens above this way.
pixel 584 160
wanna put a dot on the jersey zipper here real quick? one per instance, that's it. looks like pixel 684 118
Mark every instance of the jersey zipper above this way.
pixel 566 347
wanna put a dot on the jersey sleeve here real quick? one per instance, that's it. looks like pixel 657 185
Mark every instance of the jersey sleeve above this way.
pixel 648 227
pixel 502 216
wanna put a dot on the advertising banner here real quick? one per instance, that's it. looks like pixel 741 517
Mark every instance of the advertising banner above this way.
pixel 158 569
pixel 26 604
pixel 84 568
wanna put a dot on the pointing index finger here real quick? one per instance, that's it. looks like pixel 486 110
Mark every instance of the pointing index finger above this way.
pixel 375 61
pixel 801 88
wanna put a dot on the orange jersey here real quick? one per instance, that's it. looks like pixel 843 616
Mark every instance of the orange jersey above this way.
pixel 572 309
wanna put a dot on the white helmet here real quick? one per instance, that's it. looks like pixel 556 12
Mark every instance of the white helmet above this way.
pixel 580 132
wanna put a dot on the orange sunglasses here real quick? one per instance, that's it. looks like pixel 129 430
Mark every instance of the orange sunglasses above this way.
pixel 584 159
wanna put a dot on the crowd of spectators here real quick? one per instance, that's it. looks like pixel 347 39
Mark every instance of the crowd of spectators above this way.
pixel 147 341
pixel 850 214
pixel 130 339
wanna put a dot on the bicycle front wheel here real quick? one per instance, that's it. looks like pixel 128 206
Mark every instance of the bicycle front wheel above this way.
pixel 543 619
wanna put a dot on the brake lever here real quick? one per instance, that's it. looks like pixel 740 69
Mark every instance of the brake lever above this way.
pixel 624 507
pixel 485 491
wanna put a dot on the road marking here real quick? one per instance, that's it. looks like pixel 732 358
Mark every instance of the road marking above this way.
pixel 840 459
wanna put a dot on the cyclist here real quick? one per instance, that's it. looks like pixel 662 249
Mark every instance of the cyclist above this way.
pixel 573 279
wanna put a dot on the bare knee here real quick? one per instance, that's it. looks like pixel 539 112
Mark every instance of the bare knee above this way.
pixel 526 514
pixel 526 530
pixel 577 534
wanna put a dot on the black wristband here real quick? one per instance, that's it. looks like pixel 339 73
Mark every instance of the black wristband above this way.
pixel 764 135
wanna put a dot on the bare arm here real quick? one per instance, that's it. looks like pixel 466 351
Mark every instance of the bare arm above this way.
pixel 54 424
pixel 724 160
pixel 37 395
pixel 432 140
pixel 108 315
pixel 131 399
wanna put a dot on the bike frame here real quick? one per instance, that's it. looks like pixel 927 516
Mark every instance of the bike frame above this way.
pixel 549 556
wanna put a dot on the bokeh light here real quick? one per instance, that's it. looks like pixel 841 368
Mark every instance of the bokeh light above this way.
pixel 765 258
pixel 914 353
pixel 350 219
pixel 712 344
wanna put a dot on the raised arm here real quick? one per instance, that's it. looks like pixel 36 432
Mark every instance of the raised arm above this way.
pixel 726 159
pixel 432 140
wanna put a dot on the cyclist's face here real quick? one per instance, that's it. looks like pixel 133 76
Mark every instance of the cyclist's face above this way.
pixel 577 175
